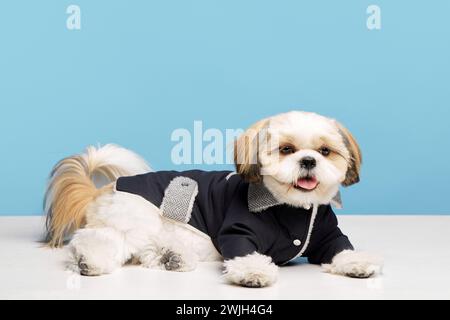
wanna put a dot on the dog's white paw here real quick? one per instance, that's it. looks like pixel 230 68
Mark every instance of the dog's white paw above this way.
pixel 95 252
pixel 165 258
pixel 254 270
pixel 355 264
pixel 86 264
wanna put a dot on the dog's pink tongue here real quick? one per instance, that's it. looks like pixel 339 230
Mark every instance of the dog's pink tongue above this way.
pixel 307 184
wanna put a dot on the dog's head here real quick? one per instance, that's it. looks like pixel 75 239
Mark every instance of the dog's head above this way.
pixel 301 157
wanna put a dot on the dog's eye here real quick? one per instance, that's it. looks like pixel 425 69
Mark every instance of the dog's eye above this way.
pixel 287 149
pixel 324 151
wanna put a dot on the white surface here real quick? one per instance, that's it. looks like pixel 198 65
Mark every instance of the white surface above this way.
pixel 416 251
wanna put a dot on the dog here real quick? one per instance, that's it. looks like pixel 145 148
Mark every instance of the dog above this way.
pixel 274 208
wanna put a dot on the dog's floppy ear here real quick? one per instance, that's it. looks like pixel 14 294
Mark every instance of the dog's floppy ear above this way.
pixel 246 152
pixel 355 161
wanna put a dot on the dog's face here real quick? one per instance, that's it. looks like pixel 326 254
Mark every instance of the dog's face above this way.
pixel 301 157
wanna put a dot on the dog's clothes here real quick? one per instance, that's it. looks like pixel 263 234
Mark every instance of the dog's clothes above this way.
pixel 240 218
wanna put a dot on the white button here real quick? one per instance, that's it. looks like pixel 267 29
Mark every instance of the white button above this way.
pixel 297 242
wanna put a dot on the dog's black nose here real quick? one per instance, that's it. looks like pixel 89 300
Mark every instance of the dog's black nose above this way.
pixel 307 163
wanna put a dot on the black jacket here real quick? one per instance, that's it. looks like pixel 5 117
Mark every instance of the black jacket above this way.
pixel 241 218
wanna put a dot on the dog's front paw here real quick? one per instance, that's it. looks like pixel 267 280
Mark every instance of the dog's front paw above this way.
pixel 254 270
pixel 355 264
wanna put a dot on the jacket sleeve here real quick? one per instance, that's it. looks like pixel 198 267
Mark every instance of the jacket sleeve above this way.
pixel 242 232
pixel 329 239
pixel 237 240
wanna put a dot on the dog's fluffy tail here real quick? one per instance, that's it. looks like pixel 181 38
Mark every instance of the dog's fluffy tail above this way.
pixel 71 187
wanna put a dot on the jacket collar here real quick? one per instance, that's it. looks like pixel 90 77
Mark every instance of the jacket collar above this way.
pixel 260 198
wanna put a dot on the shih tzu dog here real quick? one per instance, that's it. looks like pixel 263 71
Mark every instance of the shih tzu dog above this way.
pixel 274 208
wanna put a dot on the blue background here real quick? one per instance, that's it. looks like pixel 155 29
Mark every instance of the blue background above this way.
pixel 137 70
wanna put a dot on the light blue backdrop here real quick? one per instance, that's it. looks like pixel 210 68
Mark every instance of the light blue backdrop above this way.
pixel 137 70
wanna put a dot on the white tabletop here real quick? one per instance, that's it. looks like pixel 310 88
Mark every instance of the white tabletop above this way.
pixel 416 251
